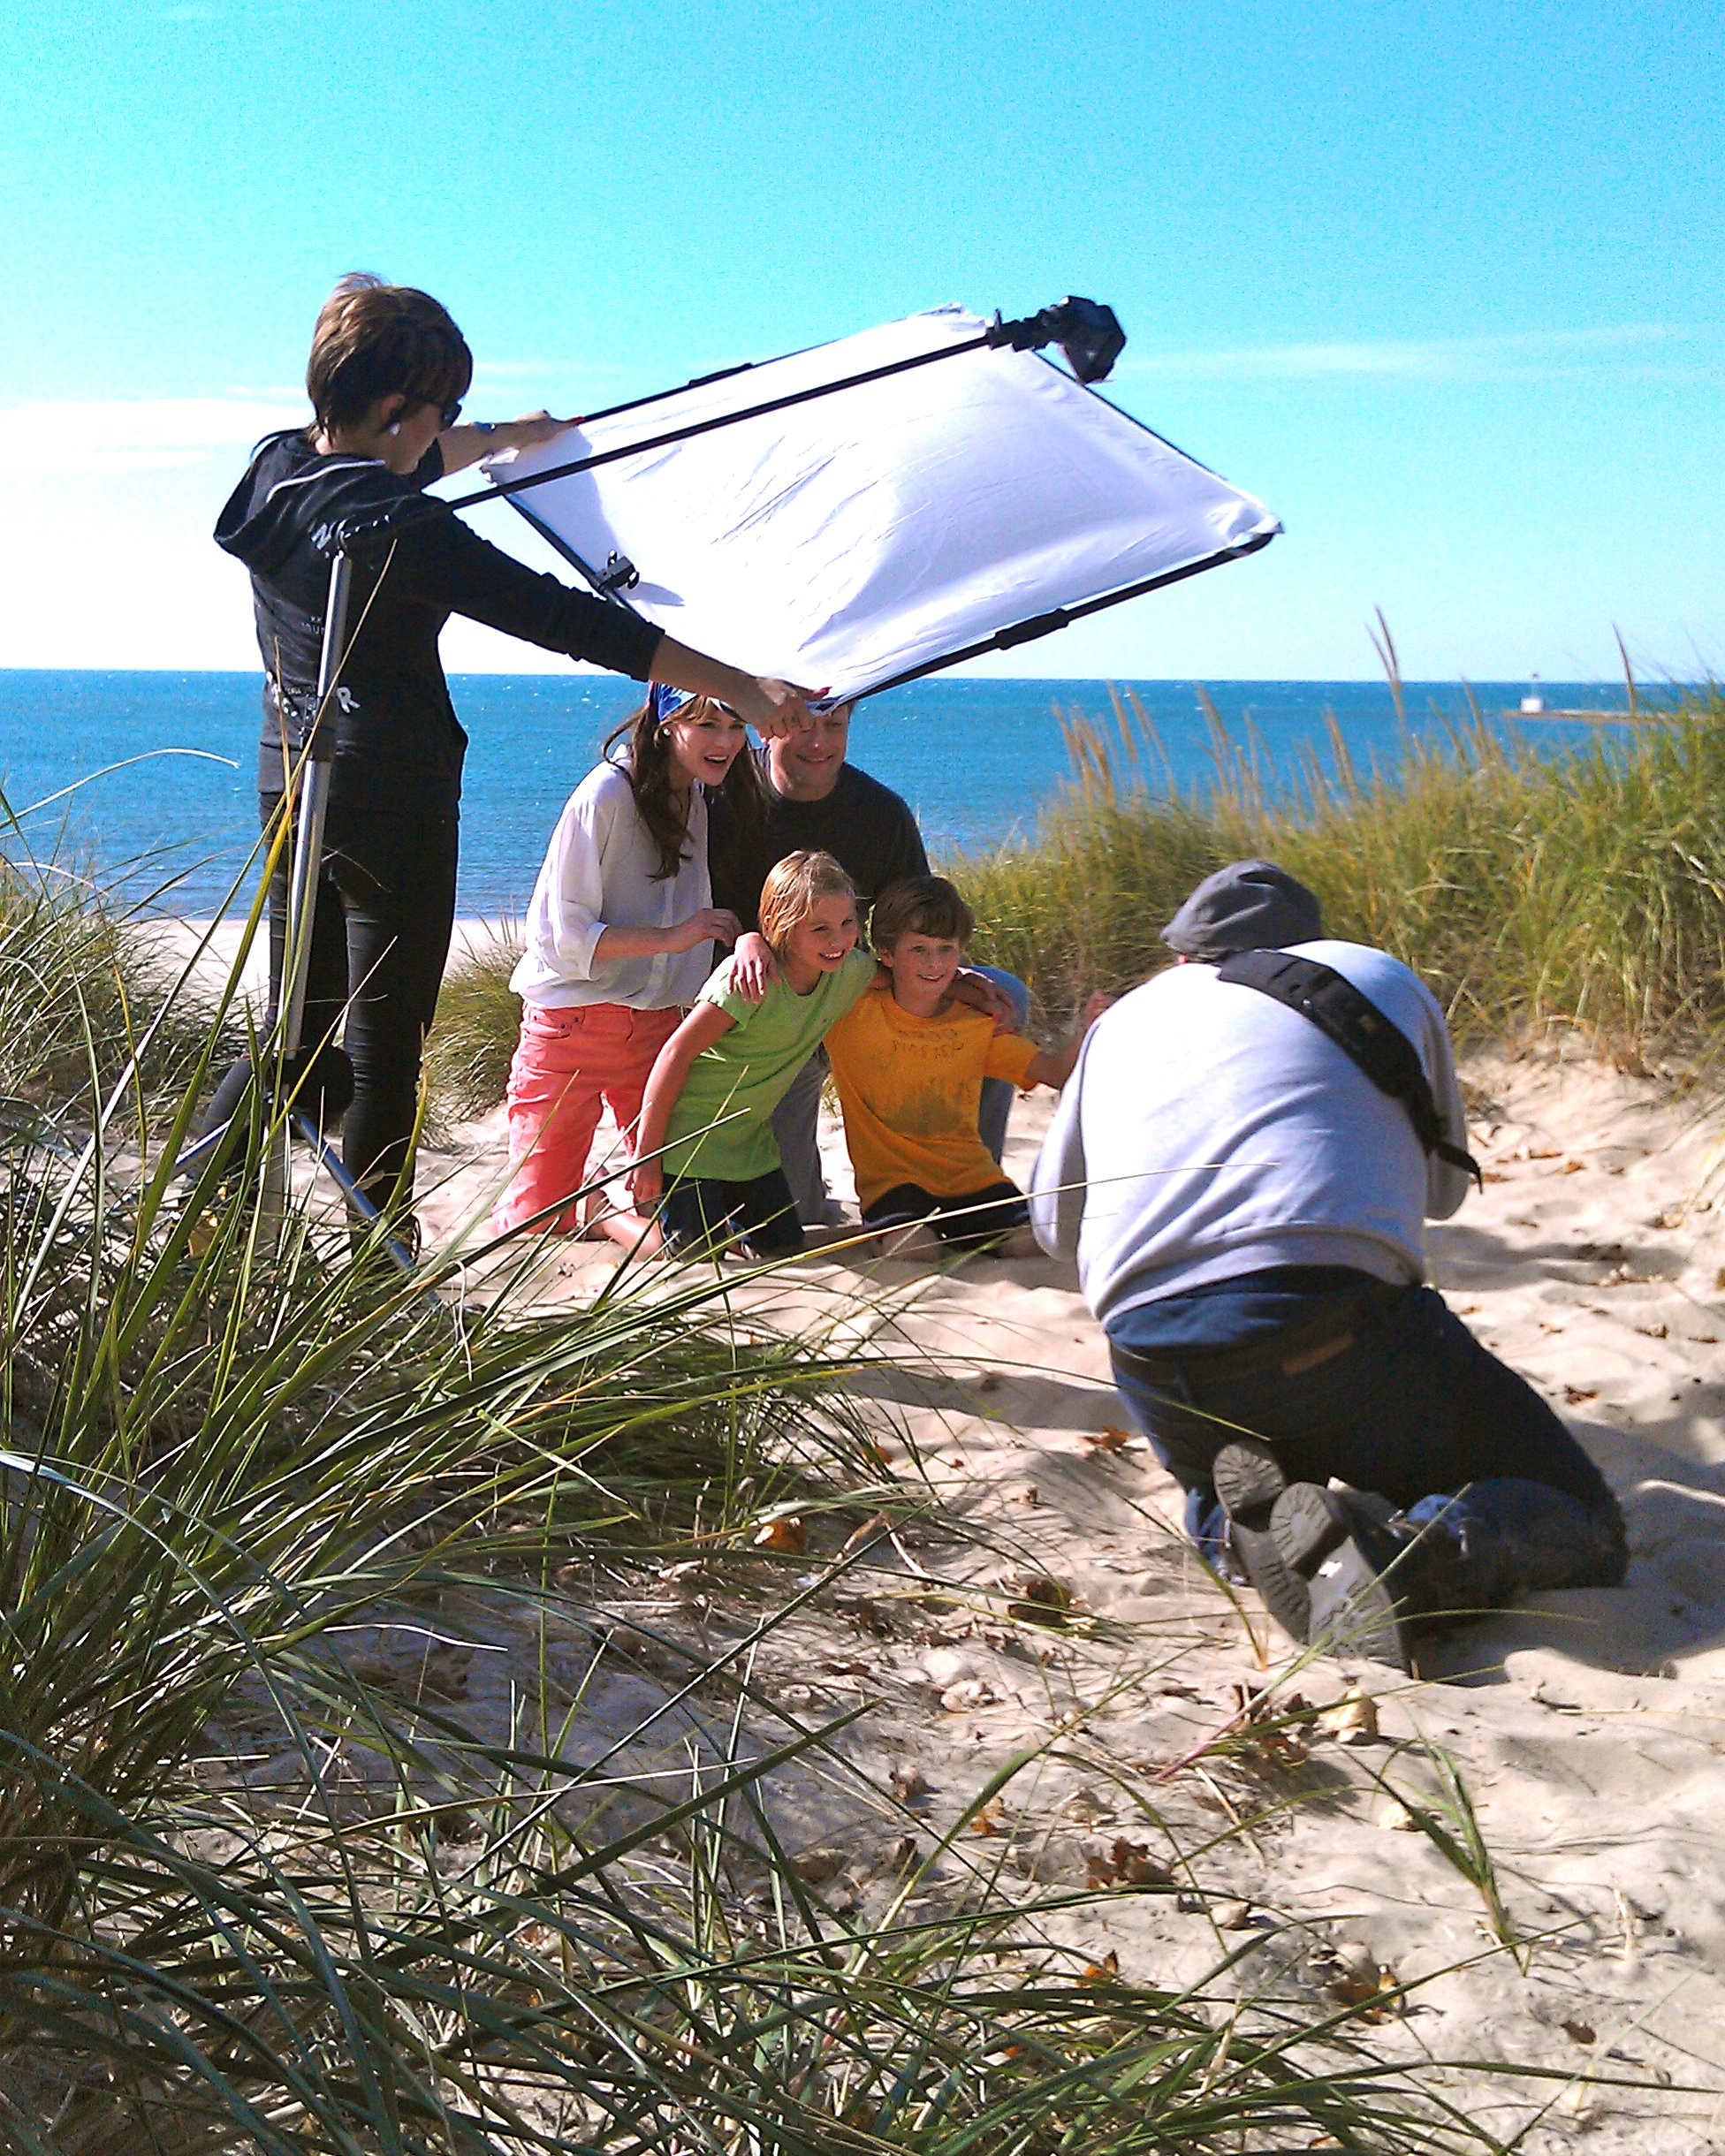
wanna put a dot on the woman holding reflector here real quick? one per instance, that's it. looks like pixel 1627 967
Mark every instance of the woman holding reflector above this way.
pixel 386 376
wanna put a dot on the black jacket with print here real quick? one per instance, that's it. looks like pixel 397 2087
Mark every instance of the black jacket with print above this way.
pixel 398 743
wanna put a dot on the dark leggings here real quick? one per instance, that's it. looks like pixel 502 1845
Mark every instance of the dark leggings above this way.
pixel 701 1216
pixel 1414 1408
pixel 380 937
pixel 974 1222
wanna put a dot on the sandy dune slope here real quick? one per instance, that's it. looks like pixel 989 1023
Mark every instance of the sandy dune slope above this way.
pixel 1587 1730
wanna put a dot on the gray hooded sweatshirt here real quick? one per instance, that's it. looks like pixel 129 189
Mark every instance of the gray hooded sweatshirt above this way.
pixel 1209 1131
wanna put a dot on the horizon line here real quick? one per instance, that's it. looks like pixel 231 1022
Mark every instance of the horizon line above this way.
pixel 1123 680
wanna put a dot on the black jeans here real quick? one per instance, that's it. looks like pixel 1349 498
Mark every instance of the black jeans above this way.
pixel 380 938
pixel 973 1222
pixel 701 1214
pixel 1416 1410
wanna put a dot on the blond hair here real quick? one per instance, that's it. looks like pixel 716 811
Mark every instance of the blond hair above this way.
pixel 793 889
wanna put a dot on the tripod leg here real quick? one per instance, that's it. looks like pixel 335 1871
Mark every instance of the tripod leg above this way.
pixel 313 807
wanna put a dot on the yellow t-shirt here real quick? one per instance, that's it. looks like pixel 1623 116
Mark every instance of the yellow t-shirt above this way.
pixel 909 1088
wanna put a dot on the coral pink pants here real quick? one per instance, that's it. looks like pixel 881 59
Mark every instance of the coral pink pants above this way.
pixel 566 1064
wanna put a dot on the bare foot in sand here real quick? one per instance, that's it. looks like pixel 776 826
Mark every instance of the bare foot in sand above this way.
pixel 635 1232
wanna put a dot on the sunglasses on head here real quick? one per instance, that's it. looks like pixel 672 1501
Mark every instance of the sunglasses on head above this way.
pixel 451 414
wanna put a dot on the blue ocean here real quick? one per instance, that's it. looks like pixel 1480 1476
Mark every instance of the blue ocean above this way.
pixel 145 782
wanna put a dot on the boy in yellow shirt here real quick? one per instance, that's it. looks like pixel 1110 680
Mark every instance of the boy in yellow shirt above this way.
pixel 909 1061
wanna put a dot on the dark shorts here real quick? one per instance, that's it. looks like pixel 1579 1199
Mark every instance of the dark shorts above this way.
pixel 701 1215
pixel 973 1222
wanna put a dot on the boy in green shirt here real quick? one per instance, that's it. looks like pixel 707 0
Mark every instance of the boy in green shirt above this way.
pixel 707 1155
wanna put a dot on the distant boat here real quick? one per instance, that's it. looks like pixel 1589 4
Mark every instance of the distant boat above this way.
pixel 1533 706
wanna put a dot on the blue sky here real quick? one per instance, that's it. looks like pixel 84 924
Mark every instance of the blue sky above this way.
pixel 1442 285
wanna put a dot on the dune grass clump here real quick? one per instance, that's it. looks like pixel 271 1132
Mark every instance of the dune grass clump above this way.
pixel 1584 890
pixel 84 978
pixel 479 1017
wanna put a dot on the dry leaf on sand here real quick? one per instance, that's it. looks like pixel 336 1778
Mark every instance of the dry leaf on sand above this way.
pixel 786 1535
pixel 1360 1981
pixel 1036 1598
pixel 1127 1864
pixel 1353 1719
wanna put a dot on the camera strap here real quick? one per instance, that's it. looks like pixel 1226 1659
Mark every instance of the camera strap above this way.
pixel 1371 1041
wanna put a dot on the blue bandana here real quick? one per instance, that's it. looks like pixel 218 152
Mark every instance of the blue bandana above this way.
pixel 665 703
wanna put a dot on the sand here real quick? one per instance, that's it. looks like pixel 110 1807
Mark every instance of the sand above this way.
pixel 1587 1729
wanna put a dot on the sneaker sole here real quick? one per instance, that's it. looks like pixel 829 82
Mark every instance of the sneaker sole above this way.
pixel 1248 1480
pixel 1351 1608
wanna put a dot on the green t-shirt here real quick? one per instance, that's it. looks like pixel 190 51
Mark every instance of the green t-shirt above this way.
pixel 746 1072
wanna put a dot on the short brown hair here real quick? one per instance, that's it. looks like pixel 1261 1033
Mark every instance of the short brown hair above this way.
pixel 921 906
pixel 792 889
pixel 374 340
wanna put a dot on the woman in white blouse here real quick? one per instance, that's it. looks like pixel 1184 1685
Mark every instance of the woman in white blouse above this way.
pixel 619 942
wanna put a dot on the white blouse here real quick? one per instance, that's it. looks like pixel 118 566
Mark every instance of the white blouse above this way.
pixel 598 874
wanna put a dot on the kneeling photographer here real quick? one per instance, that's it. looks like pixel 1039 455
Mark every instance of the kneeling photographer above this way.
pixel 1242 1164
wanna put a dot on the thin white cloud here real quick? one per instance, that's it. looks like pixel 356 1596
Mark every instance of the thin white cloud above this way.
pixel 504 387
pixel 513 370
pixel 1637 350
pixel 133 434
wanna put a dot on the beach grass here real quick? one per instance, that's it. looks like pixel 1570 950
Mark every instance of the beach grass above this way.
pixel 479 1015
pixel 88 980
pixel 1581 891
pixel 270 1884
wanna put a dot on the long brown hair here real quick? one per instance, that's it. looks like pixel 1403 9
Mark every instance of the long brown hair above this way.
pixel 650 775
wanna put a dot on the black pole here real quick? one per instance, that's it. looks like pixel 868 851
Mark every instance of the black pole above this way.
pixel 505 488
pixel 1062 616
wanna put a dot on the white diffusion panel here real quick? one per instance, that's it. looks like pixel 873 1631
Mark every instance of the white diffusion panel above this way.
pixel 854 538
